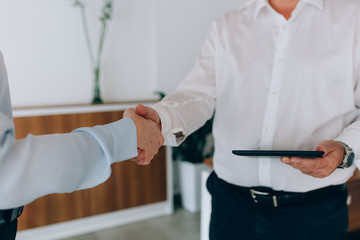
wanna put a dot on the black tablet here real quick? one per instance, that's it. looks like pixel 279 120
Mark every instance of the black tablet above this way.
pixel 278 153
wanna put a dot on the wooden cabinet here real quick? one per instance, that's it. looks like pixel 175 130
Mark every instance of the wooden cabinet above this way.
pixel 354 207
pixel 129 186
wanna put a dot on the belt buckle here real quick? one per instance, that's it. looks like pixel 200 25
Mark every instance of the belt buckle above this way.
pixel 254 193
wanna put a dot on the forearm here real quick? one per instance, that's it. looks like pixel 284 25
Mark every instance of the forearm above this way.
pixel 41 165
pixel 182 113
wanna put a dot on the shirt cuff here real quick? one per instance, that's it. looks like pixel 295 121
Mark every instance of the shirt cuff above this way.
pixel 117 140
pixel 165 120
pixel 124 138
pixel 166 126
pixel 348 140
pixel 357 164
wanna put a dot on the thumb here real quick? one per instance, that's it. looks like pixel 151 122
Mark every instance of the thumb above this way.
pixel 130 112
pixel 147 113
pixel 322 147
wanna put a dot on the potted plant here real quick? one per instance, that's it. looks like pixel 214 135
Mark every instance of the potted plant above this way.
pixel 95 59
pixel 190 156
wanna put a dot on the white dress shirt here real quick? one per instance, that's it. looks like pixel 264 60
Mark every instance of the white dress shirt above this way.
pixel 59 163
pixel 274 84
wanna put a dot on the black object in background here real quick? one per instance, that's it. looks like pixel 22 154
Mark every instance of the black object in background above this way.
pixel 278 153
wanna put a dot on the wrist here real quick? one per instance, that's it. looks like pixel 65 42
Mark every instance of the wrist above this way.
pixel 348 156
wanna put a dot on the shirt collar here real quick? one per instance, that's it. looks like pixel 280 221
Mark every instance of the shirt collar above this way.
pixel 260 4
pixel 317 3
pixel 264 3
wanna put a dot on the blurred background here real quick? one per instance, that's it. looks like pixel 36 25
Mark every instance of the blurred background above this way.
pixel 150 45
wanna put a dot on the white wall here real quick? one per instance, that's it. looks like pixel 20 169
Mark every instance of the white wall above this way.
pixel 182 28
pixel 151 45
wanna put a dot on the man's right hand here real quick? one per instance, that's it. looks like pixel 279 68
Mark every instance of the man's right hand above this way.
pixel 148 113
pixel 151 114
pixel 149 137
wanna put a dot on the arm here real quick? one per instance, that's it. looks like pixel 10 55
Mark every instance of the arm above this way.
pixel 188 108
pixel 181 113
pixel 41 165
pixel 334 151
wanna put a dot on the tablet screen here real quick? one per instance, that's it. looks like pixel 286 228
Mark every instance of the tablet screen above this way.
pixel 278 153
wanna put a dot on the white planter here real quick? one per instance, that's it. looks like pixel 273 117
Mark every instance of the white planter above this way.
pixel 205 206
pixel 190 185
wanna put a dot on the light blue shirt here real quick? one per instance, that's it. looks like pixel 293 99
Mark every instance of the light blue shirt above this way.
pixel 39 165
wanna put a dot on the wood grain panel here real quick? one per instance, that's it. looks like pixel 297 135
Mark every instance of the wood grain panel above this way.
pixel 354 208
pixel 129 186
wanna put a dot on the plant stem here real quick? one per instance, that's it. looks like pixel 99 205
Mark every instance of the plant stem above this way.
pixel 101 43
pixel 97 98
pixel 96 62
pixel 87 35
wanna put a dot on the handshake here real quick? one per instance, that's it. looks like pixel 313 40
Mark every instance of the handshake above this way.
pixel 148 130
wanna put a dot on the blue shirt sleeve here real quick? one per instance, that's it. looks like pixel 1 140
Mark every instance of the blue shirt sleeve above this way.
pixel 39 165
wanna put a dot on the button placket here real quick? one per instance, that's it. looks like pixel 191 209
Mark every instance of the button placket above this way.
pixel 272 103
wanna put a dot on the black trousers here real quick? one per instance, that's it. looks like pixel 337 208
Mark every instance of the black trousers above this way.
pixel 235 216
pixel 8 230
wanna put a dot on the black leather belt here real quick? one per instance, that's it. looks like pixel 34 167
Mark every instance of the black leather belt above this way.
pixel 267 196
pixel 9 215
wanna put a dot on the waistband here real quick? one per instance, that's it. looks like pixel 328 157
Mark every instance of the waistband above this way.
pixel 267 196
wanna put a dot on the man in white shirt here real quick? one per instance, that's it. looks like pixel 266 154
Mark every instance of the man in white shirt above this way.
pixel 281 75
pixel 41 165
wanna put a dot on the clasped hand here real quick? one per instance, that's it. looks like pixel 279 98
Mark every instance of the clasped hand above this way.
pixel 148 130
pixel 319 167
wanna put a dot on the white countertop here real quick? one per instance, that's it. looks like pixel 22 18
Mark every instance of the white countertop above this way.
pixel 71 109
